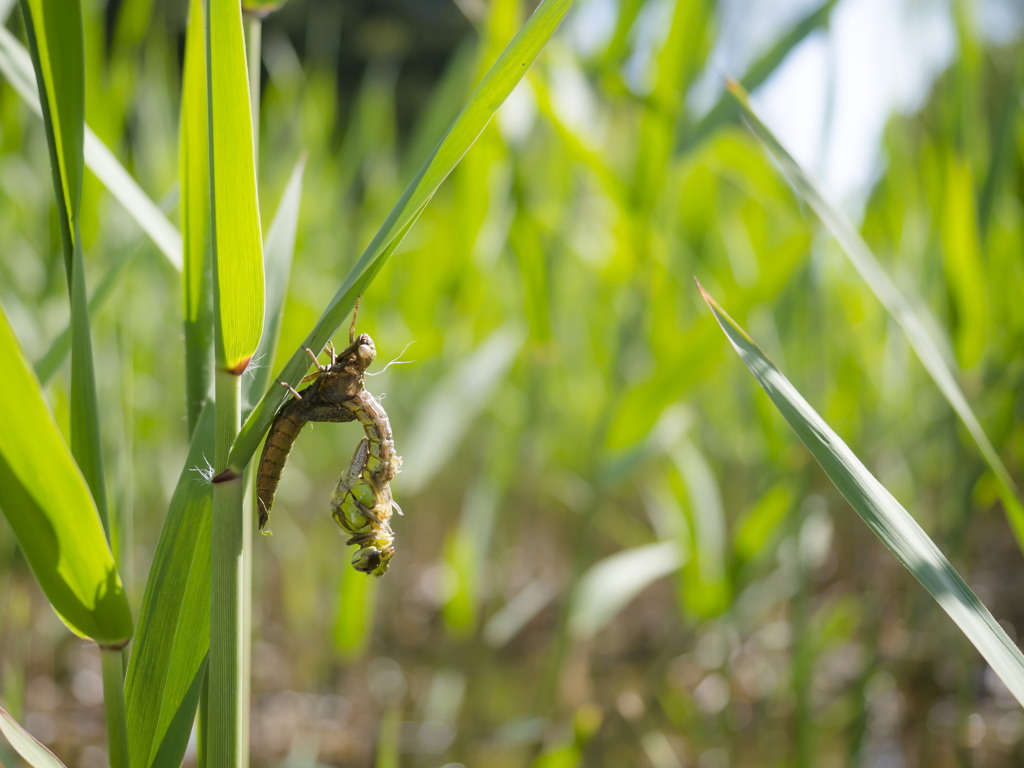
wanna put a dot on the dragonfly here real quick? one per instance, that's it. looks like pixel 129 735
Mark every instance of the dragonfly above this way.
pixel 362 503
pixel 363 508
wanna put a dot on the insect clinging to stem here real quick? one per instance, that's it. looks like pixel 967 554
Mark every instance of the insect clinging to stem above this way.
pixel 362 503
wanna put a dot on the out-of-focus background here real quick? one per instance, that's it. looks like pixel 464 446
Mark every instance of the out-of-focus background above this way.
pixel 614 551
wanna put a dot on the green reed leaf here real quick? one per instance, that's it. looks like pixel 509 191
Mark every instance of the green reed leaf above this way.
pixel 886 518
pixel 237 239
pixel 895 303
pixel 194 176
pixel 48 504
pixel 25 744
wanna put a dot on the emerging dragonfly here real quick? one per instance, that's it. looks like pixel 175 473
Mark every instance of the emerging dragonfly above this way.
pixel 362 503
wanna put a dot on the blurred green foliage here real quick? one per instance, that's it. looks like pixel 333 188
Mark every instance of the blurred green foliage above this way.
pixel 570 399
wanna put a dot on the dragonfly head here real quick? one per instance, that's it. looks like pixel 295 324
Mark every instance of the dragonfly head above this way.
pixel 364 350
pixel 351 363
pixel 372 559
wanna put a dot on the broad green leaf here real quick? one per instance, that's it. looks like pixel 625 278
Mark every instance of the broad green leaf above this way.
pixel 16 66
pixel 895 303
pixel 47 502
pixel 610 585
pixel 886 518
pixel 169 654
pixel 238 241
pixel 492 91
pixel 26 745
pixel 194 177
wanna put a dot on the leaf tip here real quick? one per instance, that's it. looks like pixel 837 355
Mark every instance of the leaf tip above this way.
pixel 735 87
pixel 712 304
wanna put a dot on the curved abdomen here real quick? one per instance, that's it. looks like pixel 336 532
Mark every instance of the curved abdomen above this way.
pixel 280 439
pixel 382 462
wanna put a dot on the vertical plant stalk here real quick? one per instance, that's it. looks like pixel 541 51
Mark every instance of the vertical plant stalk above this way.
pixel 117 728
pixel 253 52
pixel 228 670
pixel 226 725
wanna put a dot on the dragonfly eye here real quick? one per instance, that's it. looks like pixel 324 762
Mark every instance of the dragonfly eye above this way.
pixel 365 350
pixel 366 559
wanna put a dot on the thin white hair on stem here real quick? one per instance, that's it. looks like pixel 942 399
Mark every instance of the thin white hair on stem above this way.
pixel 397 361
pixel 205 472
pixel 254 365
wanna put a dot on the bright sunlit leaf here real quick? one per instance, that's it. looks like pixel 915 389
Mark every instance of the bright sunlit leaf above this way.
pixel 238 241
pixel 194 176
pixel 48 505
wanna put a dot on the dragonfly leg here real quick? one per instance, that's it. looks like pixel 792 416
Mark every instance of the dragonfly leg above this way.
pixel 290 388
pixel 312 356
pixel 352 328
